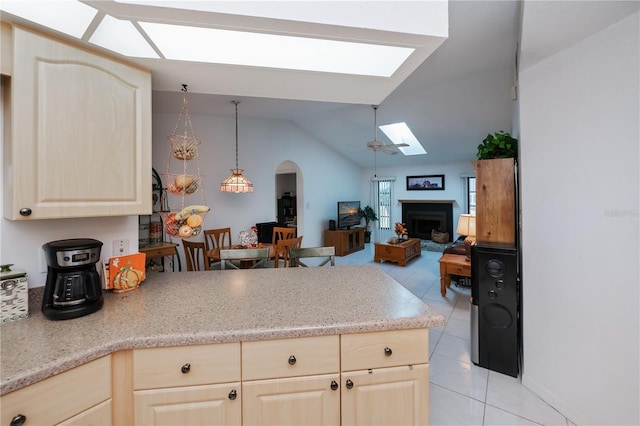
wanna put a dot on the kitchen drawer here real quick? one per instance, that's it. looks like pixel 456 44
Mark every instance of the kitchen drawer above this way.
pixel 60 397
pixel 290 357
pixel 369 350
pixel 186 365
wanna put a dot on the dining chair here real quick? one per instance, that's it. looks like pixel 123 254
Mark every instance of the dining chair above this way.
pixel 281 233
pixel 195 254
pixel 259 257
pixel 282 249
pixel 216 240
pixel 327 253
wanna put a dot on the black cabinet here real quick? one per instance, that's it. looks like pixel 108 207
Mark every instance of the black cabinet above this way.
pixel 496 291
pixel 287 210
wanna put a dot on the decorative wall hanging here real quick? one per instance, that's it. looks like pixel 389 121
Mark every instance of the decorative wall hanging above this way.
pixel 183 147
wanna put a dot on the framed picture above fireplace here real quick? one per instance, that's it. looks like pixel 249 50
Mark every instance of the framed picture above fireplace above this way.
pixel 425 183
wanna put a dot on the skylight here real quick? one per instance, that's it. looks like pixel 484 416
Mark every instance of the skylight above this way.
pixel 400 133
pixel 67 16
pixel 129 41
pixel 210 45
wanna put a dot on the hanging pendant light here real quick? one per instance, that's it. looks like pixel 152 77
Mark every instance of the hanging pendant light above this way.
pixel 236 182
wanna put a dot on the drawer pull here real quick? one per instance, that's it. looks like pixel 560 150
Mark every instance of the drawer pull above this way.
pixel 233 394
pixel 349 384
pixel 334 385
pixel 387 351
pixel 18 420
pixel 25 211
pixel 186 368
pixel 292 360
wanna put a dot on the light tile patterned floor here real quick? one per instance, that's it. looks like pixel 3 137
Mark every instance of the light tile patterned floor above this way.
pixel 461 393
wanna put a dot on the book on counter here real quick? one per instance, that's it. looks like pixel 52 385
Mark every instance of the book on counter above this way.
pixel 124 273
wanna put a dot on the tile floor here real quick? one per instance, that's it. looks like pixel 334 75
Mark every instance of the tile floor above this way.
pixel 461 393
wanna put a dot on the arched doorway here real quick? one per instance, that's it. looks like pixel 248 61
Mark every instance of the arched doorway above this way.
pixel 289 196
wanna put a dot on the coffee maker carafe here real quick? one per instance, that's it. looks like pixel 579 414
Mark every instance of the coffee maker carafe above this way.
pixel 73 286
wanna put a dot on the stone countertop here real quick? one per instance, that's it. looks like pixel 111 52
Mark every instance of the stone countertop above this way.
pixel 189 308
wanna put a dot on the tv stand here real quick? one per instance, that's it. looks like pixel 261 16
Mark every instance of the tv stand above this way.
pixel 346 241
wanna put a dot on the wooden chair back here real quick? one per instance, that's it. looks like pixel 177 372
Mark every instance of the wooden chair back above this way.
pixel 217 239
pixel 328 253
pixel 259 255
pixel 194 253
pixel 282 250
pixel 282 233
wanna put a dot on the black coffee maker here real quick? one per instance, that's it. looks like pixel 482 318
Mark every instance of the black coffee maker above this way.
pixel 73 286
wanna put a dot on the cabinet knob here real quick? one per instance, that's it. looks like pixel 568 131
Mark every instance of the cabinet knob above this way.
pixel 387 351
pixel 334 385
pixel 349 384
pixel 186 368
pixel 233 394
pixel 18 420
pixel 25 211
pixel 292 360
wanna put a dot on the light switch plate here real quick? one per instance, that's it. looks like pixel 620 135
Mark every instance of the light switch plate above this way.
pixel 120 247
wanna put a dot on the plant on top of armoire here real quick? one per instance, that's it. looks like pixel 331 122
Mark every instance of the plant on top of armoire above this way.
pixel 499 145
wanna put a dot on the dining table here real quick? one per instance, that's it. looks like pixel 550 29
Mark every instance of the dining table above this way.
pixel 214 255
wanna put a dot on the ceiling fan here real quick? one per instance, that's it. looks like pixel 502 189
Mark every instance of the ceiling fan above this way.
pixel 378 146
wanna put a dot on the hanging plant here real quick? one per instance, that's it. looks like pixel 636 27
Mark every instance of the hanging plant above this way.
pixel 499 145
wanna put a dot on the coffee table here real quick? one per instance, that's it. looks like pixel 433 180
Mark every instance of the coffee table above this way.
pixel 400 252
pixel 452 264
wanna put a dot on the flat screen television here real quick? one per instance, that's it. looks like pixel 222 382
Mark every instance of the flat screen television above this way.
pixel 348 214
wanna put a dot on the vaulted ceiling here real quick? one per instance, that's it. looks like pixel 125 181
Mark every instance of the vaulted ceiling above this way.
pixel 450 100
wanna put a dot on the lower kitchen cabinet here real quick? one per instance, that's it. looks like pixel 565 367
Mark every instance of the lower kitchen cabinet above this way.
pixel 189 385
pixel 81 395
pixel 94 416
pixel 386 396
pixel 292 402
pixel 192 405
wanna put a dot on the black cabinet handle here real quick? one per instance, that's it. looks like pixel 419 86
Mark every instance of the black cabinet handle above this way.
pixel 25 211
pixel 292 360
pixel 186 368
pixel 388 351
pixel 349 384
pixel 233 394
pixel 334 385
pixel 18 420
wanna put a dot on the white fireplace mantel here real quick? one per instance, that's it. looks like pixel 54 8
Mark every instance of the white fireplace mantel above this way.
pixel 428 201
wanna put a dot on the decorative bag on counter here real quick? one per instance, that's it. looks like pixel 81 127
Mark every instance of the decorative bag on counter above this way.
pixel 14 294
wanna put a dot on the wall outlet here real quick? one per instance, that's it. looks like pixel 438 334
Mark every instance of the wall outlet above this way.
pixel 120 247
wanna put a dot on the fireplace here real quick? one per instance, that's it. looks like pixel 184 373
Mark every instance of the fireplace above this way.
pixel 421 218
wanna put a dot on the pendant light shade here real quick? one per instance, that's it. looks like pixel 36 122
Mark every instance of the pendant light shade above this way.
pixel 236 182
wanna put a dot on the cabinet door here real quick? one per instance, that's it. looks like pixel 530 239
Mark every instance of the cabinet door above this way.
pixel 295 401
pixel 61 396
pixel 387 396
pixel 192 405
pixel 80 133
pixel 100 415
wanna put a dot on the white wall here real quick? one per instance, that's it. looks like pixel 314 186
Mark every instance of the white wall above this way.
pixel 454 188
pixel 580 186
pixel 326 177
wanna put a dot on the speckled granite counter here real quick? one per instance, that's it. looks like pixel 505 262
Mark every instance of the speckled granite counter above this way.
pixel 189 308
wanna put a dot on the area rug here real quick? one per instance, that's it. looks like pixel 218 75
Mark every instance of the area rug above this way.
pixel 429 245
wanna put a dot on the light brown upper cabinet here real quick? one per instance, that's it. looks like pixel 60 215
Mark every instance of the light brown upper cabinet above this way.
pixel 79 133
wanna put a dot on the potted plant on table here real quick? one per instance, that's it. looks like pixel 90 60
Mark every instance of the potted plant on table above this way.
pixel 369 215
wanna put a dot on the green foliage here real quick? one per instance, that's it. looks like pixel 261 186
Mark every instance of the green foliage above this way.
pixel 498 145
pixel 368 215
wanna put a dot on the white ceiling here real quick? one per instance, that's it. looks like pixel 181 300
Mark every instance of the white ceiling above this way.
pixel 461 92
